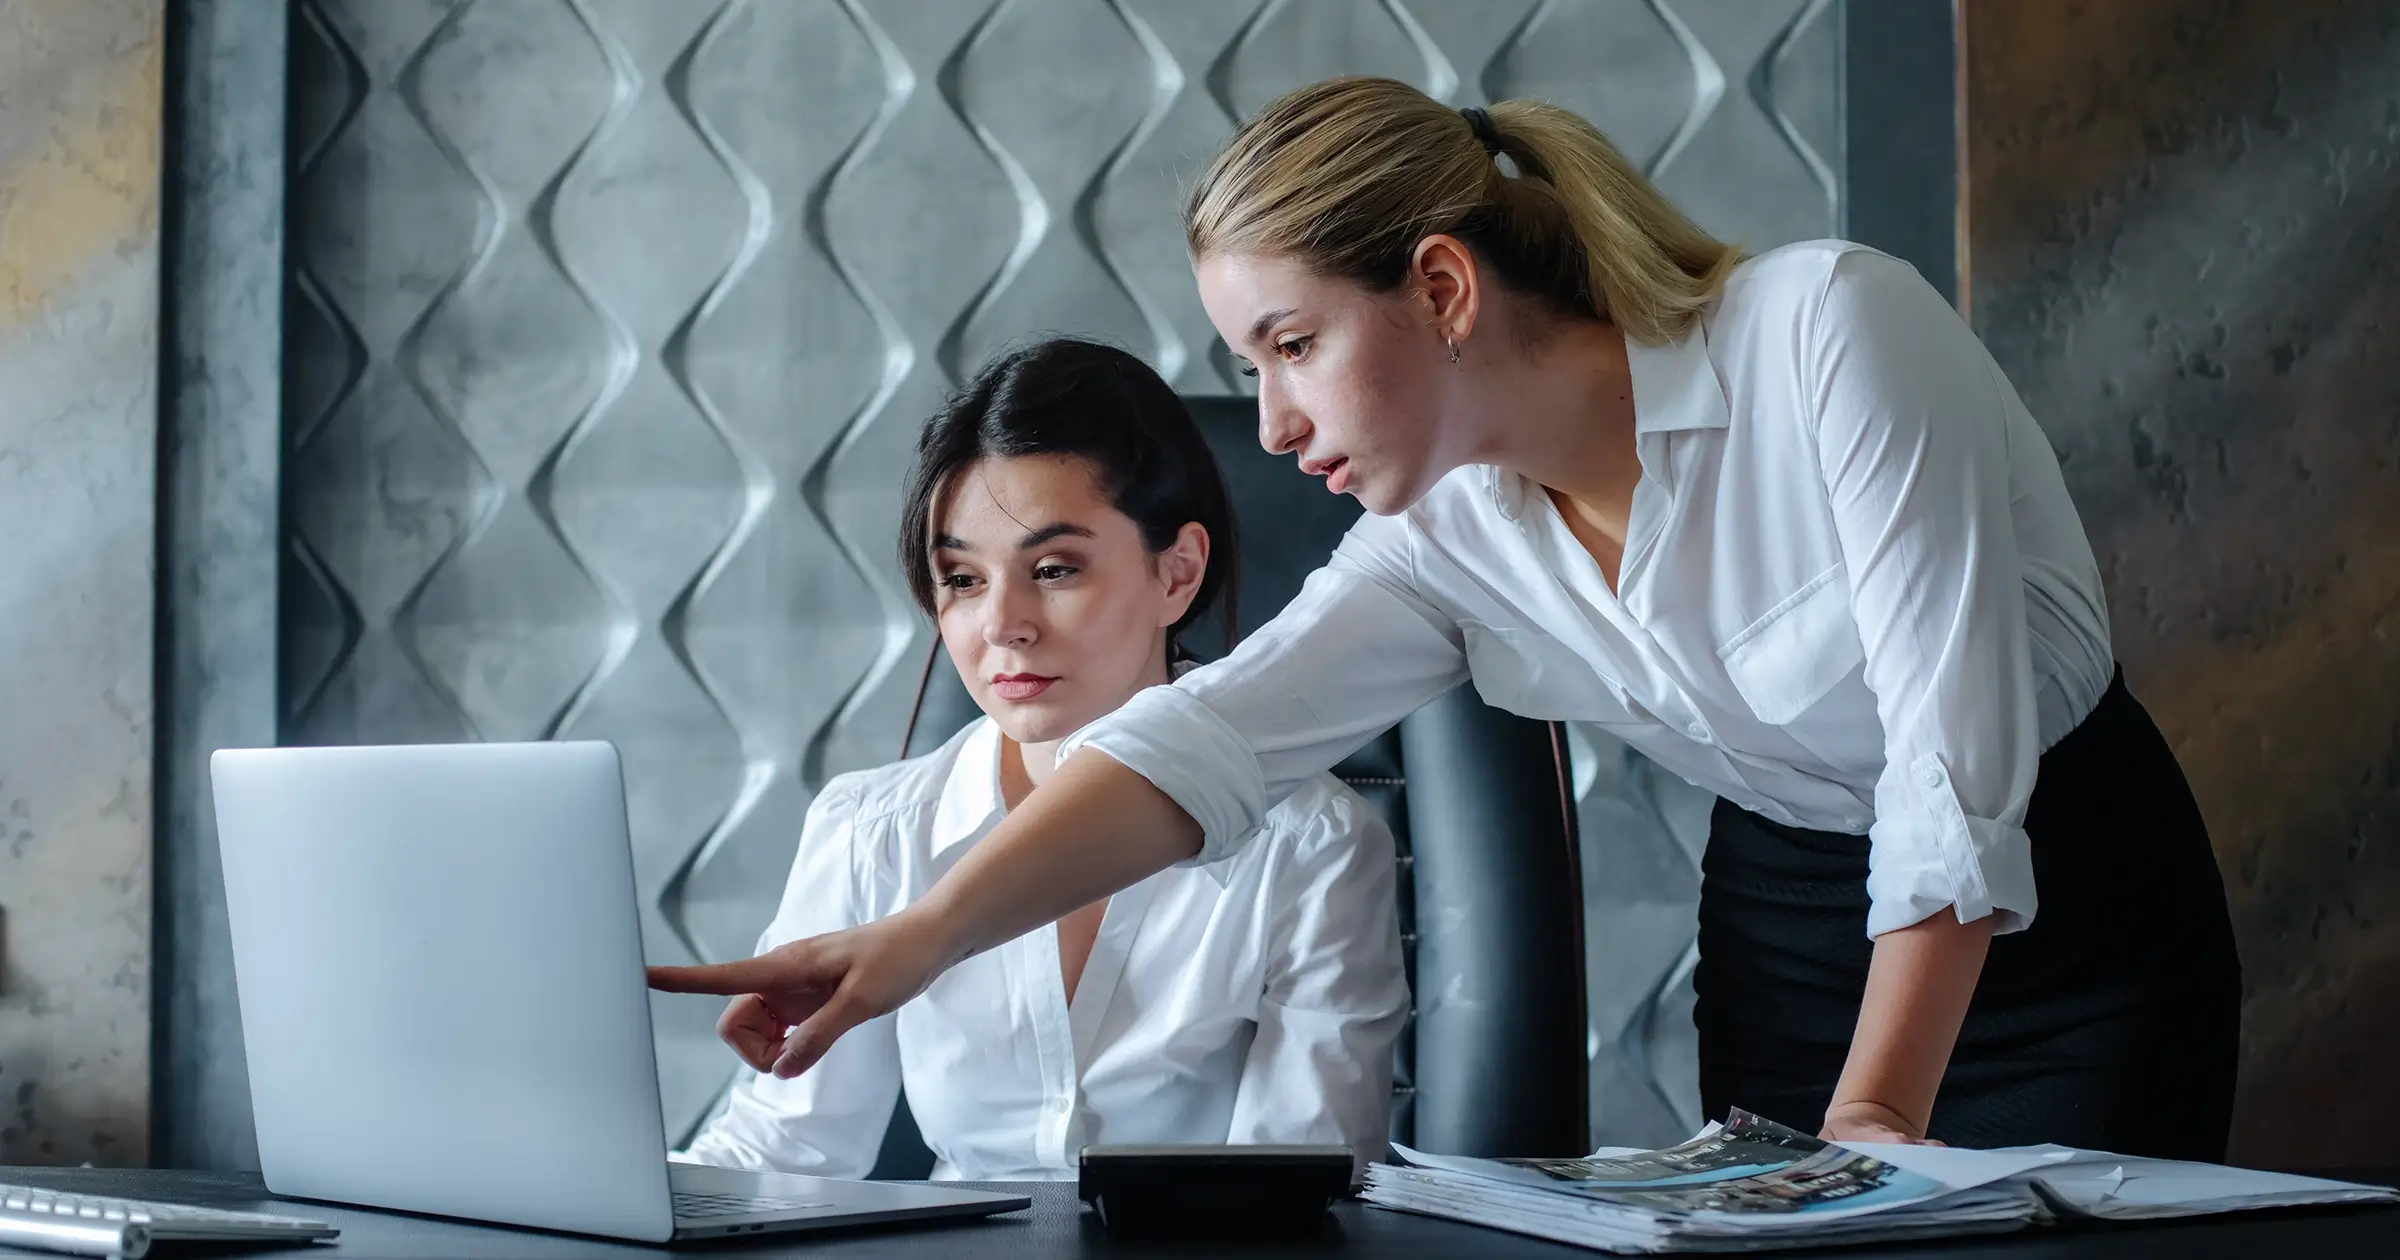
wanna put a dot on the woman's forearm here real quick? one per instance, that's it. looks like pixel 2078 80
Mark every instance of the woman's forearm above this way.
pixel 1918 987
pixel 1093 830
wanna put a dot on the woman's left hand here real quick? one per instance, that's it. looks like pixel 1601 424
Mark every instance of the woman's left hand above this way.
pixel 1870 1122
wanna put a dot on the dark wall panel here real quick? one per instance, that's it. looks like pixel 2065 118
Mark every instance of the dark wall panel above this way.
pixel 1900 133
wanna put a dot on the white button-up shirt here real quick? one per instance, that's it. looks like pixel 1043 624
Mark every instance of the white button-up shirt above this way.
pixel 1256 1002
pixel 1854 597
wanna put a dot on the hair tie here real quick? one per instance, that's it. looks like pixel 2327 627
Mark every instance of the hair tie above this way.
pixel 1480 123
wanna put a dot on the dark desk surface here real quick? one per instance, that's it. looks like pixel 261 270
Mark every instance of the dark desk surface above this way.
pixel 1056 1227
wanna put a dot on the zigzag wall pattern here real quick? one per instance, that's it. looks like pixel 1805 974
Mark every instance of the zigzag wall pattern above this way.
pixel 612 323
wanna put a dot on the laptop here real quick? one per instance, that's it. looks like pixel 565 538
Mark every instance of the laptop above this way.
pixel 438 956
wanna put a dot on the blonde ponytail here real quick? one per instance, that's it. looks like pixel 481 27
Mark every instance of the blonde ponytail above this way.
pixel 1348 175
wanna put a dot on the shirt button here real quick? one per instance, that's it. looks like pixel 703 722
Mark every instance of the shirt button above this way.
pixel 1930 777
pixel 1698 731
pixel 1061 1106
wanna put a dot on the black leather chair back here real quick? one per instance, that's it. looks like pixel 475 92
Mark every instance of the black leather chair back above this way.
pixel 1493 1061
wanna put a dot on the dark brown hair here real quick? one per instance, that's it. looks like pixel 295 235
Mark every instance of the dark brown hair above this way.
pixel 1099 404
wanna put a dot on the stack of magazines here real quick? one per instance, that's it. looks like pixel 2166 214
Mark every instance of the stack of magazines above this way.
pixel 1752 1184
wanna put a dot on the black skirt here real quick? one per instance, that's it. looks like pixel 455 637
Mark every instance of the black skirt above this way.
pixel 2111 1023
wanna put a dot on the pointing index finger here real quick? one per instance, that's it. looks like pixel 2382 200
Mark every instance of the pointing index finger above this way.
pixel 731 979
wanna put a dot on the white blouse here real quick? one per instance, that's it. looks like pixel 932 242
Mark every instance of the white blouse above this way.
pixel 1854 597
pixel 1255 1003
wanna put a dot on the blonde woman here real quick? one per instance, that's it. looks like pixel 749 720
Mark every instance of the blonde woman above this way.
pixel 1779 522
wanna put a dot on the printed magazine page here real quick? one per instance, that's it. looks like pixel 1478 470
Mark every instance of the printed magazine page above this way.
pixel 1749 1166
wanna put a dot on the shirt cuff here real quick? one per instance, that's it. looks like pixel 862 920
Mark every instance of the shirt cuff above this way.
pixel 1185 750
pixel 1932 855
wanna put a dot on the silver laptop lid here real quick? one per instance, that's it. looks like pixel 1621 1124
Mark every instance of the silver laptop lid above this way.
pixel 439 963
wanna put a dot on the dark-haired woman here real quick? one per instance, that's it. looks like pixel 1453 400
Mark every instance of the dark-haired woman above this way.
pixel 1065 522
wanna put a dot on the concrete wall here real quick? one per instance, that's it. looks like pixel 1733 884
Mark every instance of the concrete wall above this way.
pixel 219 533
pixel 79 167
pixel 2183 243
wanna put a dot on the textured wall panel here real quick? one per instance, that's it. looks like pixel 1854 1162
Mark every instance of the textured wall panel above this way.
pixel 2185 249
pixel 647 490
pixel 786 355
pixel 617 321
pixel 79 234
pixel 1135 213
pixel 379 486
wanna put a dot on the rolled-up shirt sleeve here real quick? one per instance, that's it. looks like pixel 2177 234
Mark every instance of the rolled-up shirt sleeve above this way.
pixel 1913 433
pixel 1357 650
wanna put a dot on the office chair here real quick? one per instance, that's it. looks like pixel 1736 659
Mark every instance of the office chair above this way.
pixel 1493 1059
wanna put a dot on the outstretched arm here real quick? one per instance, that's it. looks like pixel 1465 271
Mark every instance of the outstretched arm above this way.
pixel 1182 772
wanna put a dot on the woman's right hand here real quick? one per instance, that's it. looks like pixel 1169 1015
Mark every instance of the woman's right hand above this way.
pixel 793 1002
pixel 1093 830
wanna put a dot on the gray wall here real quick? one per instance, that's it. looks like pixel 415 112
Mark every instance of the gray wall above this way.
pixel 614 321
pixel 219 533
pixel 2184 246
pixel 79 166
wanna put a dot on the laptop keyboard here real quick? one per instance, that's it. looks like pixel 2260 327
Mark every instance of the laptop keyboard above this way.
pixel 692 1206
pixel 162 1218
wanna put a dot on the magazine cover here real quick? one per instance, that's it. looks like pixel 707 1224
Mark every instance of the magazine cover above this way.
pixel 1750 1165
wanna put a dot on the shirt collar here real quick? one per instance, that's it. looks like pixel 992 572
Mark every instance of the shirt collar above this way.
pixel 970 803
pixel 1675 387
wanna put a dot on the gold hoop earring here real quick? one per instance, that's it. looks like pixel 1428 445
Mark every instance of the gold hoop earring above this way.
pixel 1453 349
